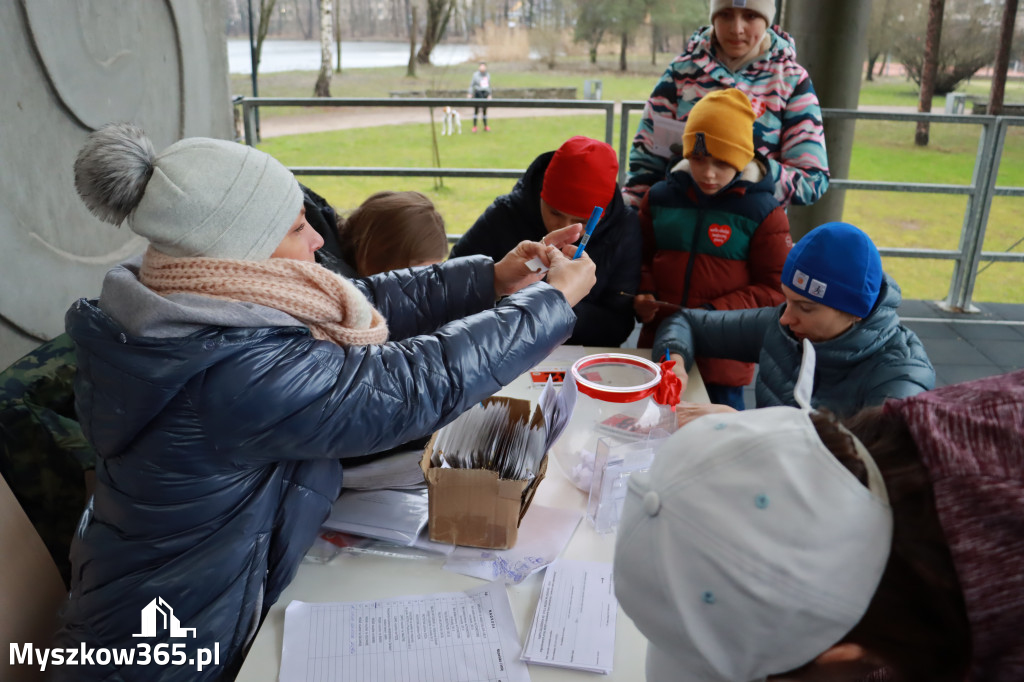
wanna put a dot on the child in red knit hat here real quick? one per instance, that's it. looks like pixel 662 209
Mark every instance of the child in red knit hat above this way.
pixel 558 189
pixel 714 236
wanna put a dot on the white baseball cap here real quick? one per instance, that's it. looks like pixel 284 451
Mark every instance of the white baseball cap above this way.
pixel 748 549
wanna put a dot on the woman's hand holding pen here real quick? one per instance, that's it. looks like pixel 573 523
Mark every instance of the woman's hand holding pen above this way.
pixel 512 273
pixel 573 277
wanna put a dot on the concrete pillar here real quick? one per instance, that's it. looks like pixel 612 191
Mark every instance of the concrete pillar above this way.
pixel 831 43
pixel 68 68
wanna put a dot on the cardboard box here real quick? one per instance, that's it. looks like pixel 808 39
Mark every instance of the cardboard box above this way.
pixel 473 506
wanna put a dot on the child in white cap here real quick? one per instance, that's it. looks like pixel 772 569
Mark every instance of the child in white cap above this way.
pixel 837 297
pixel 771 544
pixel 224 376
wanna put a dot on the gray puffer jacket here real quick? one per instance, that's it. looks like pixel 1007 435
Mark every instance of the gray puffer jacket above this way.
pixel 877 358
pixel 220 430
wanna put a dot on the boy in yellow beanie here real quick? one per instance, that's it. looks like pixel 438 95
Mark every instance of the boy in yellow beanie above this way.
pixel 714 236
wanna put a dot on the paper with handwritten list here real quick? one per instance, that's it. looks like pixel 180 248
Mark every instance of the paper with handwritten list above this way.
pixel 446 637
pixel 574 626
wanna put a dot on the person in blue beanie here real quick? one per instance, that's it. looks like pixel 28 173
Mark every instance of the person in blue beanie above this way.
pixel 839 299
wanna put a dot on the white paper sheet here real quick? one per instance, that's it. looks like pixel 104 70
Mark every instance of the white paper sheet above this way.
pixel 543 534
pixel 400 470
pixel 666 131
pixel 393 515
pixel 574 626
pixel 446 637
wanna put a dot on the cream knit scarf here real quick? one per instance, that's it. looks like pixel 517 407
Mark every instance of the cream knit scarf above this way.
pixel 331 306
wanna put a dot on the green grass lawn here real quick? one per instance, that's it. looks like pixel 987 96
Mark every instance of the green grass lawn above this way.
pixel 882 151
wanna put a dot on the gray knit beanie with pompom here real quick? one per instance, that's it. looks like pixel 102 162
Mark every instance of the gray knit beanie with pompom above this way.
pixel 198 197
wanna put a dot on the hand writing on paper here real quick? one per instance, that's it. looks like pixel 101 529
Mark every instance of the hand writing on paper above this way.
pixel 687 412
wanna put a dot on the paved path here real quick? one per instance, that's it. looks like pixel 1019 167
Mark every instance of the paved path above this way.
pixel 365 117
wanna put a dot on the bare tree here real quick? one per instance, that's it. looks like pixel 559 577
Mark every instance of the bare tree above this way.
pixel 628 15
pixel 323 80
pixel 410 70
pixel 880 33
pixel 592 21
pixel 337 36
pixel 305 24
pixel 672 13
pixel 439 12
pixel 931 58
pixel 266 13
pixel 969 33
pixel 995 100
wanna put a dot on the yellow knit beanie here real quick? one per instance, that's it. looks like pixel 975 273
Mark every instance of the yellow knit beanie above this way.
pixel 721 124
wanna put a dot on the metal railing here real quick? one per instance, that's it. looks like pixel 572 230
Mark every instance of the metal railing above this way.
pixel 980 191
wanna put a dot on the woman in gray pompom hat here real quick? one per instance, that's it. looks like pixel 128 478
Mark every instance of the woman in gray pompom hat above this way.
pixel 224 376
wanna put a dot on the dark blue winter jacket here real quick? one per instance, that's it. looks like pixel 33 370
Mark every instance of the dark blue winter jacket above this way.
pixel 877 358
pixel 220 450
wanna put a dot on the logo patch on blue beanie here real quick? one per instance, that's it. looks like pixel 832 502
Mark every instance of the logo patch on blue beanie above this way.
pixel 799 280
pixel 817 289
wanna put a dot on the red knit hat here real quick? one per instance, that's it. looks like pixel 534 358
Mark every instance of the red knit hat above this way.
pixel 581 175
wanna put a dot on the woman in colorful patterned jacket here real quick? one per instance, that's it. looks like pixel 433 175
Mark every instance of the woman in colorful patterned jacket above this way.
pixel 738 50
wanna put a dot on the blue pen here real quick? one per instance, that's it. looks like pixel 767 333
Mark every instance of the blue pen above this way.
pixel 595 215
pixel 668 355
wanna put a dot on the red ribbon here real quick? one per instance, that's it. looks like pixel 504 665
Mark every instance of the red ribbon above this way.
pixel 670 388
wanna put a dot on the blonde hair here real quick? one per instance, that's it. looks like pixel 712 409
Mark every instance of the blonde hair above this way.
pixel 392 230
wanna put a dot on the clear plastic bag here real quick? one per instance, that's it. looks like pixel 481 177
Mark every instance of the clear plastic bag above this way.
pixel 617 402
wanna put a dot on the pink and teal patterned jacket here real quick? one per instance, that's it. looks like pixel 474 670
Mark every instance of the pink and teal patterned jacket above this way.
pixel 788 127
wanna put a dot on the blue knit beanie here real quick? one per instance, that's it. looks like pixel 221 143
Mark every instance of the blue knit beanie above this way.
pixel 838 265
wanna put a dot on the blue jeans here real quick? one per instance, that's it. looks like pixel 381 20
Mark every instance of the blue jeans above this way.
pixel 726 395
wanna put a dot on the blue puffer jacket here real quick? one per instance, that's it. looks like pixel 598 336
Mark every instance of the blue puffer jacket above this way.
pixel 877 358
pixel 219 450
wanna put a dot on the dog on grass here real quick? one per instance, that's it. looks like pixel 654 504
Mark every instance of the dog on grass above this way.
pixel 451 122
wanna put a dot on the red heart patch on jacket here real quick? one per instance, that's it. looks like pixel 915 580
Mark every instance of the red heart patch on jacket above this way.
pixel 719 234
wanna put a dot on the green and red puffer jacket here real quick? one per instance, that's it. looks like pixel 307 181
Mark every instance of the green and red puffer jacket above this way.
pixel 724 252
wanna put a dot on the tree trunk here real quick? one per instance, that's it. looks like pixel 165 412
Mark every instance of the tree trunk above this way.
pixel 438 14
pixel 928 69
pixel 995 100
pixel 593 53
pixel 410 70
pixel 871 67
pixel 323 81
pixel 337 36
pixel 622 51
pixel 654 44
pixel 266 12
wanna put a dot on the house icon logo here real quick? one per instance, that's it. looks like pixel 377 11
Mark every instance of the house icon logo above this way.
pixel 158 615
